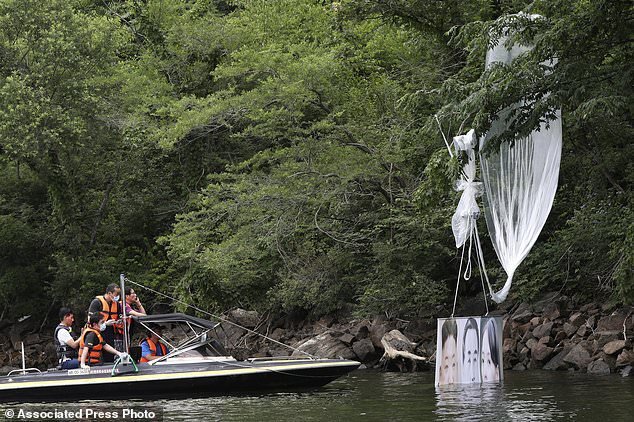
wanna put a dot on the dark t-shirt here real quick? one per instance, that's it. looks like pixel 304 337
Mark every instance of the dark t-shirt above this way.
pixel 95 307
pixel 91 340
pixel 109 335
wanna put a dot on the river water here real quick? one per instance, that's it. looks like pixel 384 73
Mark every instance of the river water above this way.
pixel 367 395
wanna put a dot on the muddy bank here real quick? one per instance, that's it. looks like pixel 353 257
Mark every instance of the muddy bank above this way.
pixel 551 334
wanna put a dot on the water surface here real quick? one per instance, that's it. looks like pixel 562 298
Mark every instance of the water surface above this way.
pixel 375 396
pixel 367 395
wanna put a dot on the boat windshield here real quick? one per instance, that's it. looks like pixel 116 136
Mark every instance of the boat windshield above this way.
pixel 183 337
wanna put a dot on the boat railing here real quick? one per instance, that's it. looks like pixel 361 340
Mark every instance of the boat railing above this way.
pixel 280 358
pixel 175 352
pixel 24 371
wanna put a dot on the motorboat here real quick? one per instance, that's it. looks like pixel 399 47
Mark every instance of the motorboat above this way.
pixel 197 364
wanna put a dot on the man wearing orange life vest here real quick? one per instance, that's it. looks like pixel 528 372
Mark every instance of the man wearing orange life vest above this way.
pixel 151 347
pixel 92 343
pixel 107 307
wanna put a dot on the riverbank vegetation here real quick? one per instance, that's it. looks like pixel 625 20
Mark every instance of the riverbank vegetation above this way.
pixel 284 156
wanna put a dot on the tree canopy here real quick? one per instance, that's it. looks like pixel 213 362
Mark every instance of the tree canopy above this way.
pixel 286 155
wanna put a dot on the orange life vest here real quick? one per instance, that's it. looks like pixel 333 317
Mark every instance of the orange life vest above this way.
pixel 153 349
pixel 96 352
pixel 111 311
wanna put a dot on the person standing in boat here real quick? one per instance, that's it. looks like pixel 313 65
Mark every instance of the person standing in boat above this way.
pixel 133 307
pixel 92 344
pixel 65 344
pixel 151 347
pixel 107 307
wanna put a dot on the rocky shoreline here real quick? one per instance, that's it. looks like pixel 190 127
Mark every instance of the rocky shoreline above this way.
pixel 551 334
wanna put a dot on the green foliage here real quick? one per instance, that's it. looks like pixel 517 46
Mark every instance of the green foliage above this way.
pixel 285 155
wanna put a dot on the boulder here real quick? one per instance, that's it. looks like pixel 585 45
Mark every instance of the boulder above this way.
pixel 613 322
pixel 551 311
pixel 604 337
pixel 541 352
pixel 364 349
pixel 549 298
pixel 628 371
pixel 325 345
pixel 523 313
pixel 347 339
pixel 520 346
pixel 519 367
pixel 509 361
pixel 577 319
pixel 326 321
pixel 583 331
pixel 543 330
pixel 509 345
pixel 586 345
pixel 626 357
pixel 609 359
pixel 614 347
pixel 579 357
pixel 535 321
pixel 523 354
pixel 535 364
pixel 230 334
pixel 570 329
pixel 248 319
pixel 560 336
pixel 361 330
pixel 278 334
pixel 377 331
pixel 545 340
pixel 529 335
pixel 599 367
pixel 522 329
pixel 507 327
pixel 557 362
pixel 591 322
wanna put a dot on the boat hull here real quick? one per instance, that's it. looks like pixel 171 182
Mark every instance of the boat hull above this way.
pixel 175 380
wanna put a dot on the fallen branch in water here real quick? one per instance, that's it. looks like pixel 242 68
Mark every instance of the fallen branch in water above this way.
pixel 392 354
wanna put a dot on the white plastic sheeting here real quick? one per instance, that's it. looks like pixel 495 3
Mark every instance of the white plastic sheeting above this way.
pixel 520 181
pixel 467 212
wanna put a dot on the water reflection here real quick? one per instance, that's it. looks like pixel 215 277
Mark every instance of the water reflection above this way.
pixel 495 402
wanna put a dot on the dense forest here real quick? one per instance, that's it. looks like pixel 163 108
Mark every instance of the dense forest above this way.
pixel 285 155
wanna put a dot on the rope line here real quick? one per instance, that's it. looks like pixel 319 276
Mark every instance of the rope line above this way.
pixel 483 270
pixel 221 319
pixel 469 266
pixel 455 298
